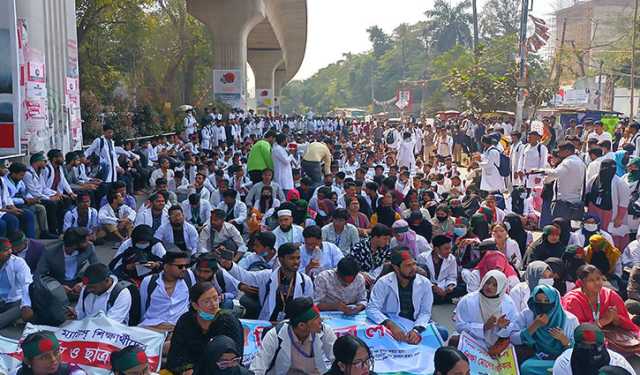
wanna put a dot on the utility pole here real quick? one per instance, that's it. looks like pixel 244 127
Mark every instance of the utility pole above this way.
pixel 475 29
pixel 522 77
pixel 559 56
pixel 600 86
pixel 633 58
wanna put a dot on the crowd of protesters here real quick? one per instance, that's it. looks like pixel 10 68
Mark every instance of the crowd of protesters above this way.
pixel 281 218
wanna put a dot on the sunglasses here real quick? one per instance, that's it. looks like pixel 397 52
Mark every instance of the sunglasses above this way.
pixel 181 266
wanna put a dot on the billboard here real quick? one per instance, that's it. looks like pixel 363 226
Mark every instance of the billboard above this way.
pixel 228 87
pixel 10 97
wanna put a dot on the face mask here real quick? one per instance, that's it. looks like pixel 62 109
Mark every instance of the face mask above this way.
pixel 442 219
pixel 543 308
pixel 459 232
pixel 264 254
pixel 546 282
pixel 143 245
pixel 590 227
pixel 206 316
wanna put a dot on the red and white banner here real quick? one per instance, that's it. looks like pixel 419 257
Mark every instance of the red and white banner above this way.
pixel 89 343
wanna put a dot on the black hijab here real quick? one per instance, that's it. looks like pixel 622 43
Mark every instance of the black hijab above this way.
pixel 565 230
pixel 516 231
pixel 557 267
pixel 218 346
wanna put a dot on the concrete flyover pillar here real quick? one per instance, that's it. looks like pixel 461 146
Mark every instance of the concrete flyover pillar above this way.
pixel 281 80
pixel 264 64
pixel 230 22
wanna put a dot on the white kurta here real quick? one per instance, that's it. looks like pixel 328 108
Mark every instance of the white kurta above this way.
pixel 283 173
pixel 491 180
pixel 533 157
pixel 406 157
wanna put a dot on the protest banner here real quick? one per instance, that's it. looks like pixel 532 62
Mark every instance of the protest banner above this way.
pixel 480 361
pixel 89 343
pixel 390 356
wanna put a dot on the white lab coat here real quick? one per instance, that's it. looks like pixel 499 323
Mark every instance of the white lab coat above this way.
pixel 107 155
pixel 631 254
pixel 384 302
pixel 48 175
pixel 491 180
pixel 107 215
pixel 406 156
pixel 620 194
pixel 165 234
pixel 90 304
pixel 516 152
pixel 239 211
pixel 267 282
pixel 71 219
pixel 274 339
pixel 577 237
pixel 294 235
pixel 283 173
pixel 469 319
pixel 204 211
pixel 144 216
pixel 157 174
pixel 19 280
pixel 533 157
pixel 330 255
pixel 448 271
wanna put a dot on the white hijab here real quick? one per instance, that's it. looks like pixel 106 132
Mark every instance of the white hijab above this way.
pixel 491 306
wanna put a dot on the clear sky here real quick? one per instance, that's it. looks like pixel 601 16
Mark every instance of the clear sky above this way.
pixel 339 26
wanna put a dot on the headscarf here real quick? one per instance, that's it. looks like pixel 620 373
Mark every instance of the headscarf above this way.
pixel 516 230
pixel 535 270
pixel 489 214
pixel 480 226
pixel 618 157
pixel 585 232
pixel 327 206
pixel 543 341
pixel 491 306
pixel 558 267
pixel 293 195
pixel 218 346
pixel 565 230
pixel 407 236
pixel 495 260
pixel 606 173
pixel 589 351
pixel 602 254
pixel 543 249
pixel 635 175
pixel 301 213
pixel 572 262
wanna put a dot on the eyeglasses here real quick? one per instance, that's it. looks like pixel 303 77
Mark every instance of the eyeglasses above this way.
pixel 228 363
pixel 181 266
pixel 362 364
pixel 209 302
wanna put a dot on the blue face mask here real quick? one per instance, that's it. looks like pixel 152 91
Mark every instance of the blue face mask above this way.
pixel 206 316
pixel 459 232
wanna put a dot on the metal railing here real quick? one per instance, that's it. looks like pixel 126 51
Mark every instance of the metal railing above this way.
pixel 140 138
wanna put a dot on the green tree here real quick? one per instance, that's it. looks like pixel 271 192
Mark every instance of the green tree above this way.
pixel 448 25
pixel 380 40
pixel 499 18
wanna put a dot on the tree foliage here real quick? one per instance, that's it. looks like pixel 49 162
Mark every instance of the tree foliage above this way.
pixel 499 18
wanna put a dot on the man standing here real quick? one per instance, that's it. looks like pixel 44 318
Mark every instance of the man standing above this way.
pixel 105 149
pixel 316 154
pixel 260 157
pixel 283 173
pixel 516 150
pixel 190 123
pixel 532 157
pixel 491 180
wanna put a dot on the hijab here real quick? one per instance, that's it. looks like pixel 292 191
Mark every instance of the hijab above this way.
pixel 543 341
pixel 602 184
pixel 543 249
pixel 635 175
pixel 495 260
pixel 535 270
pixel 558 267
pixel 565 230
pixel 218 346
pixel 589 351
pixel 516 231
pixel 480 226
pixel 585 232
pixel 602 254
pixel 407 236
pixel 491 306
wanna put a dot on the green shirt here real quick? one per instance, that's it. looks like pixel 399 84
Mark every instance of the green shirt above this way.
pixel 260 156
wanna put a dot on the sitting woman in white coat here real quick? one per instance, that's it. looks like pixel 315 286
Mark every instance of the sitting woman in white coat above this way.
pixel 488 315
pixel 442 270
pixel 285 348
pixel 545 328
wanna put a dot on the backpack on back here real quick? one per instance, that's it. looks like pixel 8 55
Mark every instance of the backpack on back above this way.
pixel 504 168
pixel 390 138
pixel 135 314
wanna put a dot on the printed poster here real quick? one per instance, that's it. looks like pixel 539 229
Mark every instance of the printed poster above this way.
pixel 482 363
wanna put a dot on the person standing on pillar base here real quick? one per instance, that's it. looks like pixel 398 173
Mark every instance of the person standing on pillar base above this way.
pixel 104 148
pixel 260 157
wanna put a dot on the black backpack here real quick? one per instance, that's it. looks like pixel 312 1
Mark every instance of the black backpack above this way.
pixel 390 138
pixel 134 310
pixel 153 284
pixel 49 300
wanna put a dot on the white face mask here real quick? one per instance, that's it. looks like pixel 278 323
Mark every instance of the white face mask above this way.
pixel 590 227
pixel 545 282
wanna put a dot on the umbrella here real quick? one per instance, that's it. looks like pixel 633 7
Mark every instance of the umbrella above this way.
pixel 184 108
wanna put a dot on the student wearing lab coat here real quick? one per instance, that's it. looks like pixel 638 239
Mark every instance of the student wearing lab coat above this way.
pixel 533 156
pixel 491 180
pixel 402 300
pixel 272 297
pixel 489 314
pixel 406 156
pixel 154 214
pixel 197 211
pixel 444 280
pixel 188 241
pixel 105 149
pixel 317 255
pixel 116 218
pixel 282 170
pixel 516 151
